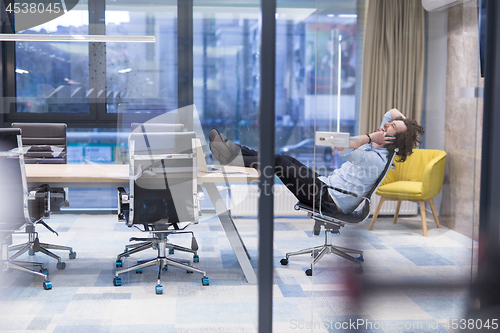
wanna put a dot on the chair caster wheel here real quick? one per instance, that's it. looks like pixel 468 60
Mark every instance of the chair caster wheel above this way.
pixel 117 281
pixel 284 261
pixel 165 268
pixel 359 270
pixel 31 252
pixel 170 251
pixel 118 263
pixel 189 272
pixel 204 281
pixel 309 272
pixel 72 255
pixel 159 290
pixel 360 258
pixel 47 285
pixel 44 271
pixel 61 265
pixel 138 271
pixel 196 258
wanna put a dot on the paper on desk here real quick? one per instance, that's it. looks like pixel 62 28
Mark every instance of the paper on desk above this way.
pixel 54 150
pixel 229 170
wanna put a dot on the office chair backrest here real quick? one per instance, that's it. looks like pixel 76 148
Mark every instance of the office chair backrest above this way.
pixel 164 177
pixel 380 179
pixel 156 128
pixel 12 213
pixel 45 140
pixel 359 215
pixel 362 214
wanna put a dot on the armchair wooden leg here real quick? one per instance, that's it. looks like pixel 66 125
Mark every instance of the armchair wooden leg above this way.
pixel 396 213
pixel 434 212
pixel 374 218
pixel 424 220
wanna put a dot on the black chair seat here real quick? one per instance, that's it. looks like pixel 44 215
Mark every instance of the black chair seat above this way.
pixel 338 217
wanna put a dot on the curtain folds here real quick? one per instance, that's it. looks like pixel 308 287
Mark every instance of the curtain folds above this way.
pixel 393 61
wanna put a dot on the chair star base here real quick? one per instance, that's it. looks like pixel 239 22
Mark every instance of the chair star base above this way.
pixel 9 264
pixel 157 242
pixel 33 246
pixel 319 251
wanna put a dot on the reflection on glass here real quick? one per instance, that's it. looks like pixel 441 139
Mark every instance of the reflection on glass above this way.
pixel 54 77
pixel 96 145
pixel 141 78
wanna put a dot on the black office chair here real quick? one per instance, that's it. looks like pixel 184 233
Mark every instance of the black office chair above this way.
pixel 333 223
pixel 16 200
pixel 154 128
pixel 45 143
pixel 162 197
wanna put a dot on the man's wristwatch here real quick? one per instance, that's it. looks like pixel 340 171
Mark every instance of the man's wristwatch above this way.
pixel 369 138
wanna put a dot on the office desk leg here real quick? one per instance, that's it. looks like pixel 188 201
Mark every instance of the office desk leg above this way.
pixel 232 233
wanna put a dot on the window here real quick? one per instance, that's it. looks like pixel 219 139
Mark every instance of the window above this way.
pixel 54 77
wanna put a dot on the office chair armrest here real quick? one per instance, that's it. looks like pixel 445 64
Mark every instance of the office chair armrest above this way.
pixel 338 190
pixel 123 196
pixel 39 202
pixel 341 191
pixel 32 195
pixel 200 194
pixel 123 205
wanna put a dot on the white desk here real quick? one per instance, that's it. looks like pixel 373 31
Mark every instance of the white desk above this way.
pixel 114 175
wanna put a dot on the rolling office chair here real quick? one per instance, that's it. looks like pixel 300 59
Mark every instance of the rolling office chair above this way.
pixel 154 128
pixel 15 200
pixel 47 145
pixel 47 142
pixel 162 197
pixel 333 223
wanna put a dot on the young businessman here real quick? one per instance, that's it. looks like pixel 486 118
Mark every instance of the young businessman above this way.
pixel 366 159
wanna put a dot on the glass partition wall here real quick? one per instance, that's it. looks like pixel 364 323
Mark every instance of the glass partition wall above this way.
pixel 410 282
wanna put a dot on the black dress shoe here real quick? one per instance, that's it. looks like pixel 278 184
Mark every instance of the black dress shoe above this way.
pixel 222 148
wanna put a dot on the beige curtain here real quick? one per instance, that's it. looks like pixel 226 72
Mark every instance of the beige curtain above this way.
pixel 393 61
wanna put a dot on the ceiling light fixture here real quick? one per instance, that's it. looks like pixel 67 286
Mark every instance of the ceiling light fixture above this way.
pixel 76 38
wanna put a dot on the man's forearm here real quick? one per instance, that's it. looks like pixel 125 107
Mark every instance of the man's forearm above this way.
pixel 396 114
pixel 356 142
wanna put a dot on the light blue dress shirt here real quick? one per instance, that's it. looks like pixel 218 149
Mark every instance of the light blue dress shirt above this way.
pixel 363 167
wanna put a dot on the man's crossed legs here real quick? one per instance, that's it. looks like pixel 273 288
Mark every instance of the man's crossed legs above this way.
pixel 299 179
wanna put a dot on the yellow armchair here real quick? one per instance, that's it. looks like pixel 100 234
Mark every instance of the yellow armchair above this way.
pixel 418 179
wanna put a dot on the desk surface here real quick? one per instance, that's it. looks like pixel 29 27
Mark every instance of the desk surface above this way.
pixel 113 174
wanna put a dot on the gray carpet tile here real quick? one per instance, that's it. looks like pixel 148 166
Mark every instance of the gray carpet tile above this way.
pixel 410 283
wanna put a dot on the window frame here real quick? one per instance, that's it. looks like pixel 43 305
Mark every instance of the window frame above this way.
pixel 98 117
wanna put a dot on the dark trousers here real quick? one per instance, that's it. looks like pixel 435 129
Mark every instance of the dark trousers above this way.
pixel 299 179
